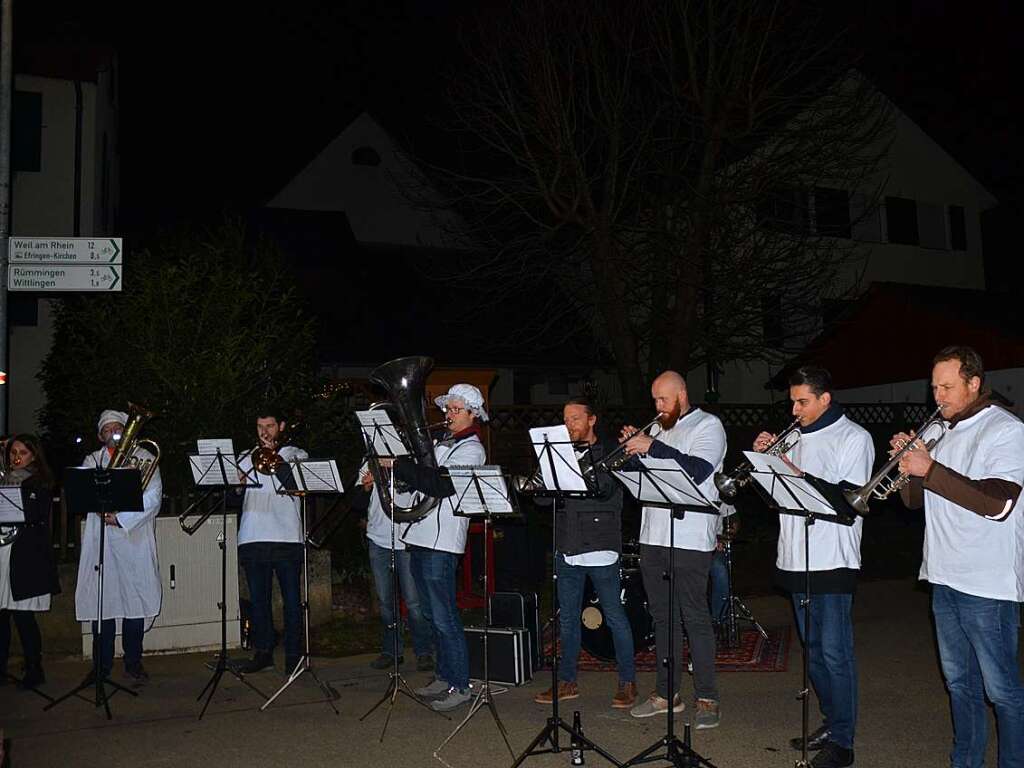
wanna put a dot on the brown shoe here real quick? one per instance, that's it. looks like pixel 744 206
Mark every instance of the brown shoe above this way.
pixel 625 697
pixel 566 691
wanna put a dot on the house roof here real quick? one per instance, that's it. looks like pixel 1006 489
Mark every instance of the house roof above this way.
pixel 376 303
pixel 64 61
pixel 892 332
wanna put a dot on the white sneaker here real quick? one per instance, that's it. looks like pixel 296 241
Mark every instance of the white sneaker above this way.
pixel 436 687
pixel 455 698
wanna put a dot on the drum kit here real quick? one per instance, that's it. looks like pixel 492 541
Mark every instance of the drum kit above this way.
pixel 596 636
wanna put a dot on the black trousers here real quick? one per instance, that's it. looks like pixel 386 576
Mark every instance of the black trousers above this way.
pixel 28 631
pixel 691 606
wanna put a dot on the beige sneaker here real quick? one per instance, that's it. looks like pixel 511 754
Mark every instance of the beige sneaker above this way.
pixel 656 705
pixel 707 715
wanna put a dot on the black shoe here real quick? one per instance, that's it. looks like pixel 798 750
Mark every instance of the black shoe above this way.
pixel 815 740
pixel 832 756
pixel 425 663
pixel 261 660
pixel 386 661
pixel 135 672
pixel 33 678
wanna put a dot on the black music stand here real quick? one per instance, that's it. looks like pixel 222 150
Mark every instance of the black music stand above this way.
pixel 100 491
pixel 792 494
pixel 663 484
pixel 484 494
pixel 558 462
pixel 308 477
pixel 382 444
pixel 215 478
pixel 18 510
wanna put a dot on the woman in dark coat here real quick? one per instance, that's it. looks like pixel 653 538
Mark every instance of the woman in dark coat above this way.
pixel 28 575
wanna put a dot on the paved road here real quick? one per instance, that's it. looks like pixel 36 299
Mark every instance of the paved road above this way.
pixel 904 718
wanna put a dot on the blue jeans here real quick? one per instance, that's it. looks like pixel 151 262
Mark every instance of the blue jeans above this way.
pixel 719 586
pixel 434 573
pixel 977 639
pixel 833 667
pixel 380 564
pixel 605 578
pixel 132 631
pixel 260 576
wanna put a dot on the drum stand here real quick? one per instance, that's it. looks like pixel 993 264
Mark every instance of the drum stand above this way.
pixel 735 609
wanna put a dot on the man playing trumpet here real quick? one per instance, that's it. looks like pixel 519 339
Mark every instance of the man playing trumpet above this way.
pixel 695 440
pixel 969 484
pixel 835 450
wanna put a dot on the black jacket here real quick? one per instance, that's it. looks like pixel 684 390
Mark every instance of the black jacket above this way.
pixel 33 571
pixel 592 525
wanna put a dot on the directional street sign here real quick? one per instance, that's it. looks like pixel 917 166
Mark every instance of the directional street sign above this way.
pixel 65 250
pixel 63 277
pixel 64 264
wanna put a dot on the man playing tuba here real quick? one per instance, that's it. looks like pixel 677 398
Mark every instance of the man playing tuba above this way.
pixel 131 574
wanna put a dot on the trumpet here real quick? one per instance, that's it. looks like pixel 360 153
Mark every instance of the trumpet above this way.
pixel 884 483
pixel 617 458
pixel 730 484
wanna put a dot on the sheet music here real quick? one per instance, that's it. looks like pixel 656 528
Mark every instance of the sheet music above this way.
pixel 563 456
pixel 376 426
pixel 10 504
pixel 793 492
pixel 315 475
pixel 212 445
pixel 664 483
pixel 490 484
pixel 206 470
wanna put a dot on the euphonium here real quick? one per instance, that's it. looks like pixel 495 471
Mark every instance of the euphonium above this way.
pixel 405 380
pixel 884 483
pixel 126 453
pixel 729 484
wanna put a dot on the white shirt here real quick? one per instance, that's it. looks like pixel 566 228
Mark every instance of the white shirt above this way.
pixel 441 529
pixel 266 514
pixel 963 550
pixel 699 434
pixel 841 451
pixel 131 572
pixel 593 559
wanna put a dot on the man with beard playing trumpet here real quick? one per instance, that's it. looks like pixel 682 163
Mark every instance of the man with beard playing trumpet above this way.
pixel 695 440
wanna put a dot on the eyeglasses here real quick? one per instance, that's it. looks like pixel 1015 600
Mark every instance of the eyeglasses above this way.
pixel 454 409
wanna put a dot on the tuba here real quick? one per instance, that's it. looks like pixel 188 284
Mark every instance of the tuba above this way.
pixel 405 380
pixel 126 453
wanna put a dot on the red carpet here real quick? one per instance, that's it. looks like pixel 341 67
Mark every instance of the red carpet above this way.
pixel 752 654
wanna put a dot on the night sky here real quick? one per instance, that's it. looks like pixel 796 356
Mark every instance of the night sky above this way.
pixel 221 106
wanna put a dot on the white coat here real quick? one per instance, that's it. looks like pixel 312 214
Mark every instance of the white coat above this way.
pixel 131 571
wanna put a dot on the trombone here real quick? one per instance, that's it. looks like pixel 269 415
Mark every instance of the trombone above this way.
pixel 730 484
pixel 884 483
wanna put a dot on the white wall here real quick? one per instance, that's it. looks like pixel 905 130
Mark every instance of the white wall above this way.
pixel 43 205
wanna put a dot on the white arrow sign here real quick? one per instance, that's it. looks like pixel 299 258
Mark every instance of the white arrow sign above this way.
pixel 65 250
pixel 63 277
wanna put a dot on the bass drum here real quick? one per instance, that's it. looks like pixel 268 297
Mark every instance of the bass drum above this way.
pixel 596 637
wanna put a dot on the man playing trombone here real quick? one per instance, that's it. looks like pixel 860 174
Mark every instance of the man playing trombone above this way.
pixel 969 484
pixel 695 440
pixel 835 450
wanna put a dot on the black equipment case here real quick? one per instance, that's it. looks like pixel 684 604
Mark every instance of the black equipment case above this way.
pixel 508 651
pixel 519 609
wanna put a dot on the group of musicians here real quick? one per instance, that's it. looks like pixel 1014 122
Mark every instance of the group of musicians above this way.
pixel 969 484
